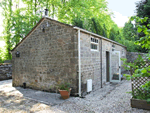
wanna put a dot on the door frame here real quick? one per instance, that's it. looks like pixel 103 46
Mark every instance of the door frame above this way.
pixel 118 67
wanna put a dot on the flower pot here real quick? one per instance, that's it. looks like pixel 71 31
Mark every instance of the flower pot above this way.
pixel 64 93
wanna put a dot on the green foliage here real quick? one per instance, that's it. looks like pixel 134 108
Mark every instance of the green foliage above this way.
pixel 77 22
pixel 142 94
pixel 92 15
pixel 1 59
pixel 2 55
pixel 141 25
pixel 131 35
pixel 143 11
pixel 140 67
pixel 143 8
pixel 64 86
pixel 144 41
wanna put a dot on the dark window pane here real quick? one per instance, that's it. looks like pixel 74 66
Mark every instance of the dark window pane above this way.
pixel 95 46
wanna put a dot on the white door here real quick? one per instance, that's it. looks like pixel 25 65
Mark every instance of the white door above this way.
pixel 115 67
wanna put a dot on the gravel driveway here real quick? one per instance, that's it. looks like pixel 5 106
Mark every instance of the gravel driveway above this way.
pixel 112 98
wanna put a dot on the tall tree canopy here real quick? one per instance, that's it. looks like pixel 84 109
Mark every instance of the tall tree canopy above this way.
pixel 143 10
pixel 130 33
pixel 22 15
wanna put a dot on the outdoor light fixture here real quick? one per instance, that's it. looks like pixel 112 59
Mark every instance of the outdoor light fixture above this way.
pixel 43 29
pixel 17 54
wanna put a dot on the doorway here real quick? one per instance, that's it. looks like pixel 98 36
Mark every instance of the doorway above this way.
pixel 115 70
pixel 107 66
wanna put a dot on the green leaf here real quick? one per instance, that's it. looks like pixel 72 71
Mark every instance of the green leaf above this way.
pixel 144 71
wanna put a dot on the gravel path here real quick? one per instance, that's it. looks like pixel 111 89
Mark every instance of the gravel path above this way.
pixel 109 99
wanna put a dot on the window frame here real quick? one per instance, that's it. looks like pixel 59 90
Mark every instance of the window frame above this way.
pixel 94 43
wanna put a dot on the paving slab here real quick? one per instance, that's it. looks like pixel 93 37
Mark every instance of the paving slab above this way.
pixel 40 96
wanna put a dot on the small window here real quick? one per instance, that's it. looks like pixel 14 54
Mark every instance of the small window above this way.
pixel 94 44
pixel 94 40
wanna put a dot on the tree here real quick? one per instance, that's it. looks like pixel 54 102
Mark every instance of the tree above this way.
pixel 143 10
pixel 141 67
pixel 92 15
pixel 130 31
pixel 7 12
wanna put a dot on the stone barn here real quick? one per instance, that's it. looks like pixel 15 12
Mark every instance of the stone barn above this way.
pixel 54 52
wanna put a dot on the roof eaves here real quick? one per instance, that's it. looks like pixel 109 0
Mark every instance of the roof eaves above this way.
pixel 99 36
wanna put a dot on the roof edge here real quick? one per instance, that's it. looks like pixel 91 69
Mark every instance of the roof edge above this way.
pixel 35 27
pixel 66 25
pixel 86 31
pixel 59 22
pixel 27 34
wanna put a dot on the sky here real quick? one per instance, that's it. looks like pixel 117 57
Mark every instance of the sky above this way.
pixel 122 9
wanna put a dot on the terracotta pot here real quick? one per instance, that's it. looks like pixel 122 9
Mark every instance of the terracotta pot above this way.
pixel 64 93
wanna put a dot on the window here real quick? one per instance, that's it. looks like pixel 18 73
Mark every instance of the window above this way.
pixel 94 44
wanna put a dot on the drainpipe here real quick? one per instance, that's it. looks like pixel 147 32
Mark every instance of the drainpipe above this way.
pixel 101 64
pixel 79 63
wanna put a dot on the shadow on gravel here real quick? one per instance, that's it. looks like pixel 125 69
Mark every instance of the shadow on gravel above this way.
pixel 13 103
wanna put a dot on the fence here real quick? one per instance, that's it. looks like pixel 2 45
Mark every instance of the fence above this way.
pixel 137 82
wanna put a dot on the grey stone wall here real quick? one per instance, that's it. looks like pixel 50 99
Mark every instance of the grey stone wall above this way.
pixel 47 58
pixel 131 56
pixel 91 60
pixel 51 57
pixel 5 71
pixel 107 46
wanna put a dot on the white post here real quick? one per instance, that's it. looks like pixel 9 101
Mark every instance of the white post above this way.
pixel 79 62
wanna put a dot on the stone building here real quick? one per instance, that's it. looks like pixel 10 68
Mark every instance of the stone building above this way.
pixel 54 52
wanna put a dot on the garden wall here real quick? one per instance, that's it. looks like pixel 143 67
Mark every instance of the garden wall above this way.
pixel 131 56
pixel 5 71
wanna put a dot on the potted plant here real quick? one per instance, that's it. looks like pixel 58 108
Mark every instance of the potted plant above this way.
pixel 64 90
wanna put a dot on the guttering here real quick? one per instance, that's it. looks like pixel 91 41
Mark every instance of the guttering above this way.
pixel 99 36
pixel 79 64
